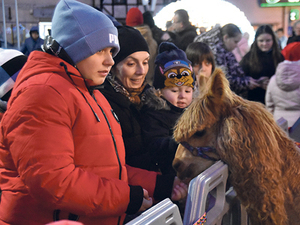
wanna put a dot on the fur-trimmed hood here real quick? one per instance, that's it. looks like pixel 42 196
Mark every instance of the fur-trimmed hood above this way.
pixel 153 99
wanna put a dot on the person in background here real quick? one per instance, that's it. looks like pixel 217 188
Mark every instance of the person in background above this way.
pixel 157 33
pixel 11 62
pixel 171 93
pixel 202 30
pixel 296 33
pixel 242 47
pixel 184 30
pixel 283 90
pixel 34 42
pixel 222 41
pixel 61 149
pixel 203 62
pixel 261 61
pixel 169 34
pixel 134 18
pixel 281 37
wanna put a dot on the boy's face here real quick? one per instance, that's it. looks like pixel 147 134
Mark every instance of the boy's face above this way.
pixel 203 68
pixel 96 67
pixel 180 97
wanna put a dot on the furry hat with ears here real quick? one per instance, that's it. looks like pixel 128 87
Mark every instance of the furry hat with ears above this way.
pixel 173 69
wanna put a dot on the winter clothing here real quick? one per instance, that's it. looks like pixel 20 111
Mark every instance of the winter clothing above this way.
pixel 239 83
pixel 283 92
pixel 293 39
pixel 113 19
pixel 185 37
pixel 134 17
pixel 30 44
pixel 72 174
pixel 129 117
pixel 131 41
pixel 242 48
pixel 61 149
pixel 69 18
pixel 172 60
pixel 267 70
pixel 292 51
pixel 158 117
pixel 11 62
pixel 157 33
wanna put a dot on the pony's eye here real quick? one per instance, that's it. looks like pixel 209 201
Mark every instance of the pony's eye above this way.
pixel 185 73
pixel 200 133
pixel 172 75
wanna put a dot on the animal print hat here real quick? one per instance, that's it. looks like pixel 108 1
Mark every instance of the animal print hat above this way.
pixel 172 69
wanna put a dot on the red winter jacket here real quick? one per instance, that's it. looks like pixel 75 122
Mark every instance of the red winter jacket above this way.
pixel 55 154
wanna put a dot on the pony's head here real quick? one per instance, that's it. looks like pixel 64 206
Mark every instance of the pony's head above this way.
pixel 221 125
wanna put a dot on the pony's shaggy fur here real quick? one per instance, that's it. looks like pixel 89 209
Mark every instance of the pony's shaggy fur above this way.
pixel 264 163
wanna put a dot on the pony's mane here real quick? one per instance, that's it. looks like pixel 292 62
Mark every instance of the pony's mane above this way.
pixel 247 137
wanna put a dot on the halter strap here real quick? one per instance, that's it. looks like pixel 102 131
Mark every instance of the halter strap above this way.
pixel 200 150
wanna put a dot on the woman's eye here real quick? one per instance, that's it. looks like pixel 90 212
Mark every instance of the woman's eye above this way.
pixel 172 75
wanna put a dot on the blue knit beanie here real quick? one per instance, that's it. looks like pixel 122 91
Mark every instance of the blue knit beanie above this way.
pixel 82 30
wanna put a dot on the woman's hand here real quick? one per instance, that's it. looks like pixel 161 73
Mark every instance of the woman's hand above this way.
pixel 253 83
pixel 180 190
pixel 263 81
pixel 147 201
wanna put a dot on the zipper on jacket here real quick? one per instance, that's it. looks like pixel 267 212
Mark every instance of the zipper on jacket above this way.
pixel 112 135
pixel 56 212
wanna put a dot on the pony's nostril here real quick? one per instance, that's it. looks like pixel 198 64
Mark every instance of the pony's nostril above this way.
pixel 176 165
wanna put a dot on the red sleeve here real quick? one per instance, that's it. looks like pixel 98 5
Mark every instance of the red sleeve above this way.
pixel 141 177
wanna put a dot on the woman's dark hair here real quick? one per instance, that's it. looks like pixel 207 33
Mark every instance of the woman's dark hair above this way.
pixel 197 52
pixel 183 16
pixel 254 50
pixel 230 30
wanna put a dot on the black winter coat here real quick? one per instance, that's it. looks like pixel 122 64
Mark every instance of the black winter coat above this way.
pixel 185 37
pixel 129 117
pixel 158 118
pixel 268 70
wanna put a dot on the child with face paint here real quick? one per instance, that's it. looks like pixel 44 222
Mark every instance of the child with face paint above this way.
pixel 171 93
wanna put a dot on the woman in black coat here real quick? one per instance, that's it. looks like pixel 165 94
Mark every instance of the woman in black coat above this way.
pixel 261 61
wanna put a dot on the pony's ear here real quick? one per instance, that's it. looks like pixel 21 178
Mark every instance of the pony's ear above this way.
pixel 218 89
pixel 202 83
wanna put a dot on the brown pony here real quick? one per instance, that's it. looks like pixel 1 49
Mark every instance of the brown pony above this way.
pixel 264 164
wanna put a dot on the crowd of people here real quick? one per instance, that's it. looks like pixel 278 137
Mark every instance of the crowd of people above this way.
pixel 87 115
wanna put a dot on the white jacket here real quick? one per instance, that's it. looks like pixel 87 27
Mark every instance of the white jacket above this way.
pixel 283 92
